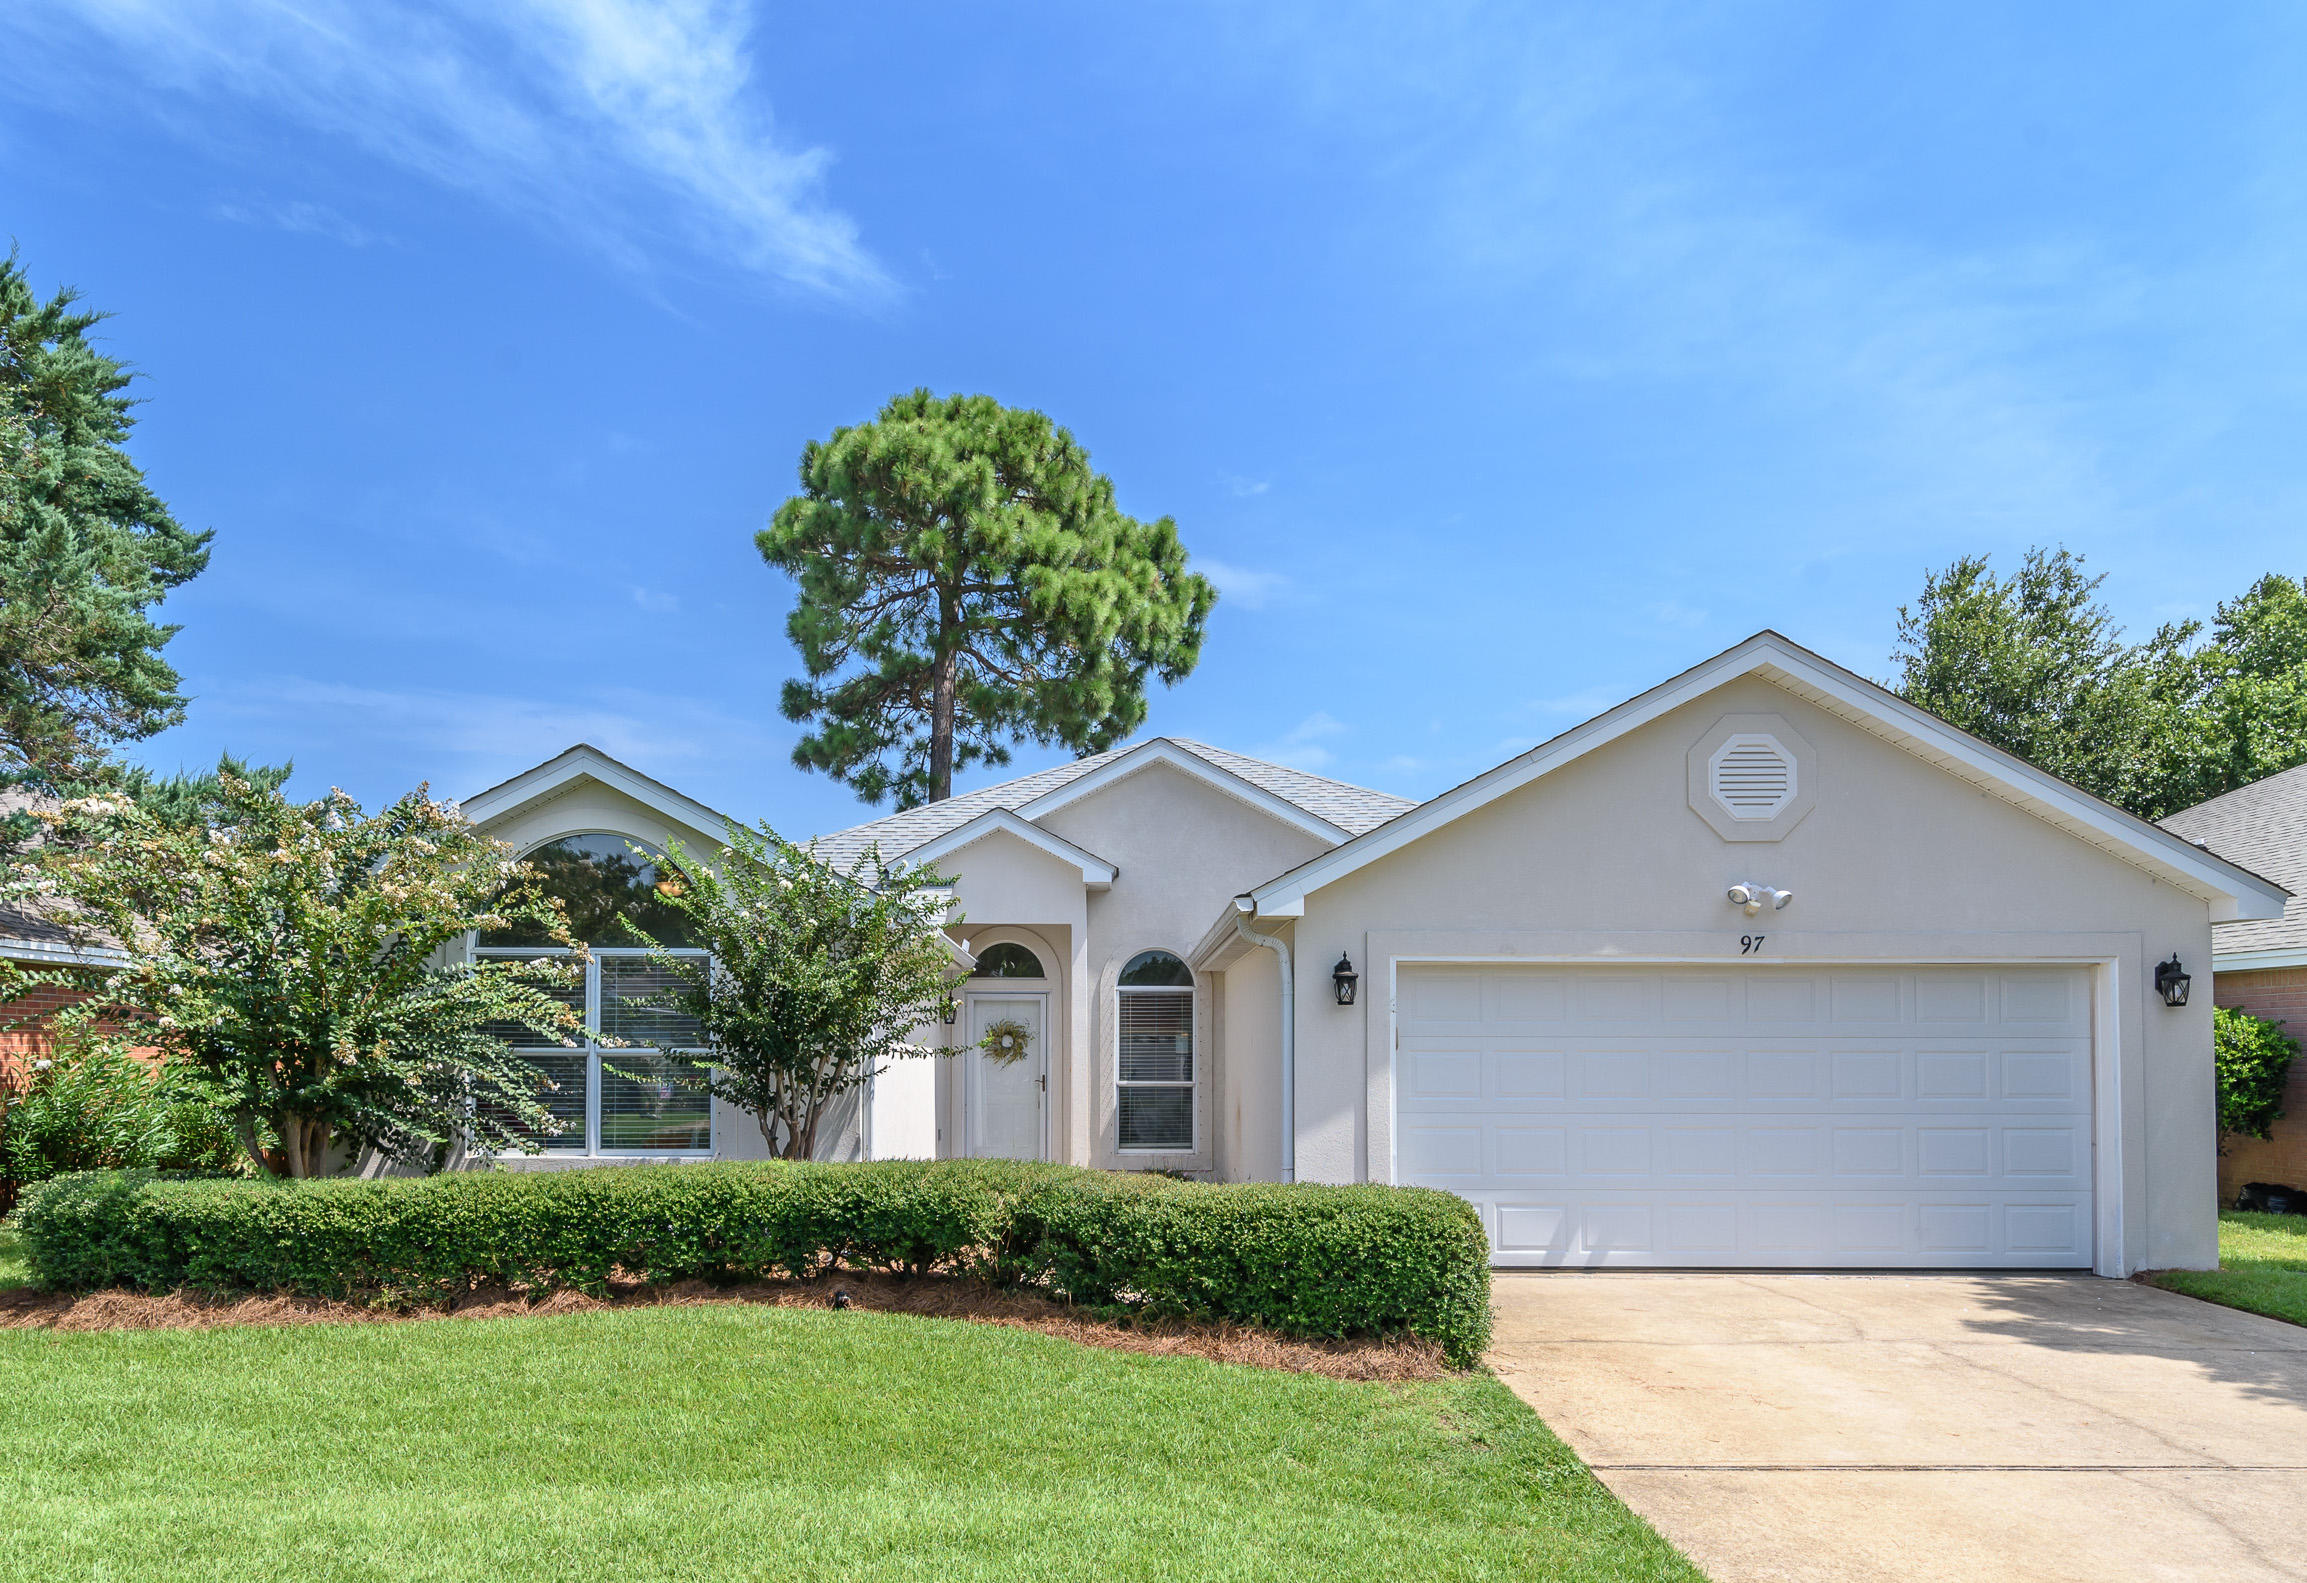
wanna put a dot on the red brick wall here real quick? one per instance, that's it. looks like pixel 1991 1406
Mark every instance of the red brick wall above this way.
pixel 27 1037
pixel 2280 995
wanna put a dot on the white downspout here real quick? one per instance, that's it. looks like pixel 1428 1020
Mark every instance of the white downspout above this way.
pixel 1289 1036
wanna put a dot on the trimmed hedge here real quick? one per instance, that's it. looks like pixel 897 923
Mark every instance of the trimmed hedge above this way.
pixel 1304 1260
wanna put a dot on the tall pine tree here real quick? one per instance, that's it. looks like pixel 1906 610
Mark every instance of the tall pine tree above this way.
pixel 966 582
pixel 87 550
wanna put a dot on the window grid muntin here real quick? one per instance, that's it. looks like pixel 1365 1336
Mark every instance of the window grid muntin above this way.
pixel 594 1077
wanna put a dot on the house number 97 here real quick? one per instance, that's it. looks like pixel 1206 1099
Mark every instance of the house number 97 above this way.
pixel 1749 944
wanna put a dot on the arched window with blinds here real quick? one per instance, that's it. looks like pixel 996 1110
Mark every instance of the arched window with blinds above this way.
pixel 1154 1082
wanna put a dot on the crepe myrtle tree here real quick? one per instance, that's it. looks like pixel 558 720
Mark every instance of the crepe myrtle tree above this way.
pixel 966 581
pixel 816 978
pixel 280 958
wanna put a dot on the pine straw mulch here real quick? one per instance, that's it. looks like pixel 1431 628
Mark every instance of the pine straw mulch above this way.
pixel 1402 1358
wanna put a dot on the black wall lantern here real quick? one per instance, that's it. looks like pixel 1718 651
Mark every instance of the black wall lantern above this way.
pixel 1344 978
pixel 2172 982
pixel 952 1010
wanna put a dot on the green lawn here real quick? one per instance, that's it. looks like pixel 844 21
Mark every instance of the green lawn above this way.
pixel 750 1442
pixel 2262 1267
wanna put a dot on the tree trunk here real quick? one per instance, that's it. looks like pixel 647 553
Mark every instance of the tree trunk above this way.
pixel 244 1127
pixel 304 1145
pixel 943 673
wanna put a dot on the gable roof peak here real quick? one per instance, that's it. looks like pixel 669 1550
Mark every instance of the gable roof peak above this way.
pixel 581 760
pixel 2234 892
pixel 1332 810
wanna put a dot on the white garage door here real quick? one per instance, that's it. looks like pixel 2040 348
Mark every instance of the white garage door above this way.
pixel 1919 1116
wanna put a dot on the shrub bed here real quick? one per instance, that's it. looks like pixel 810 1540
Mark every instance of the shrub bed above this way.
pixel 1303 1260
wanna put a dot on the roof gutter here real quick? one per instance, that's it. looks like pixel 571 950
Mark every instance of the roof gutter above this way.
pixel 1243 907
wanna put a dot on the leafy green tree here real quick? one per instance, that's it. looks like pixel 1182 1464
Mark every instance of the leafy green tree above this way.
pixel 87 550
pixel 187 798
pixel 2240 713
pixel 280 960
pixel 966 582
pixel 2036 665
pixel 2254 1059
pixel 818 979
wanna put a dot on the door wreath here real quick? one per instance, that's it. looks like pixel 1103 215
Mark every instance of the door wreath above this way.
pixel 1006 1041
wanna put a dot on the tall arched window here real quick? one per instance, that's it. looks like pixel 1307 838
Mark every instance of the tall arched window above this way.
pixel 1154 1084
pixel 635 1108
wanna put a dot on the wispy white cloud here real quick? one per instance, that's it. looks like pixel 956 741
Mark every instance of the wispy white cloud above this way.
pixel 1247 488
pixel 1305 745
pixel 1673 613
pixel 481 736
pixel 1605 161
pixel 308 219
pixel 1242 585
pixel 655 602
pixel 616 120
pixel 1580 705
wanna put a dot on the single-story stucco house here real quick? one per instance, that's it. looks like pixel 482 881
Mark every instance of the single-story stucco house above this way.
pixel 2259 965
pixel 1765 967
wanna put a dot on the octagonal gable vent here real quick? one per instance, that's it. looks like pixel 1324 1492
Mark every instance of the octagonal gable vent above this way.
pixel 1752 776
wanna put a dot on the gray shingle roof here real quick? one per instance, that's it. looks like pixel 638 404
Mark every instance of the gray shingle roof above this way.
pixel 1352 809
pixel 2262 826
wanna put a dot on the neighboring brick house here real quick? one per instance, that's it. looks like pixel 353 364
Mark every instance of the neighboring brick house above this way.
pixel 2261 967
pixel 35 942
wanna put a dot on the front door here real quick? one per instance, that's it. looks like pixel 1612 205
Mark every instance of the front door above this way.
pixel 1007 1085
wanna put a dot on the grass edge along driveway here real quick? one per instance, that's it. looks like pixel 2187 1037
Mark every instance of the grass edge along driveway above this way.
pixel 2262 1267
pixel 740 1442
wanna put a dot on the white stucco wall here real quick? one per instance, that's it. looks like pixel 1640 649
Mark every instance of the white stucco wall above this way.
pixel 1604 860
pixel 1249 1076
pixel 1184 850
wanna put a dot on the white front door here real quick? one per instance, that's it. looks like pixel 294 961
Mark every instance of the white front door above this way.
pixel 1007 1093
pixel 1891 1115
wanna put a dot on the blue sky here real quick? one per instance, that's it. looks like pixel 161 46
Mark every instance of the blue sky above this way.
pixel 1497 362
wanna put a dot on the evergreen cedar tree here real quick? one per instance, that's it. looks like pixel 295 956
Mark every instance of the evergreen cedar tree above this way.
pixel 86 550
pixel 2036 665
pixel 966 582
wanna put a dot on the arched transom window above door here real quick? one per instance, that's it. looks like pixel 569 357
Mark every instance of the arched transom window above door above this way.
pixel 1154 1081
pixel 1007 960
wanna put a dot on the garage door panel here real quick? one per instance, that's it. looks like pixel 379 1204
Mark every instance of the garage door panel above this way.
pixel 1524 1152
pixel 1950 995
pixel 1782 998
pixel 1546 1228
pixel 1867 1076
pixel 1855 998
pixel 1526 997
pixel 1700 1151
pixel 1613 1074
pixel 1698 1074
pixel 1616 997
pixel 1442 1156
pixel 1866 1136
pixel 1696 998
pixel 1532 1074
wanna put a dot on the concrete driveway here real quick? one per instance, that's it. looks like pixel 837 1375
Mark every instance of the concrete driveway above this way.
pixel 1925 1427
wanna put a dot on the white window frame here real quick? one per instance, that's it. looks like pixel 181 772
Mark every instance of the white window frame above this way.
pixel 592 1149
pixel 1191 993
